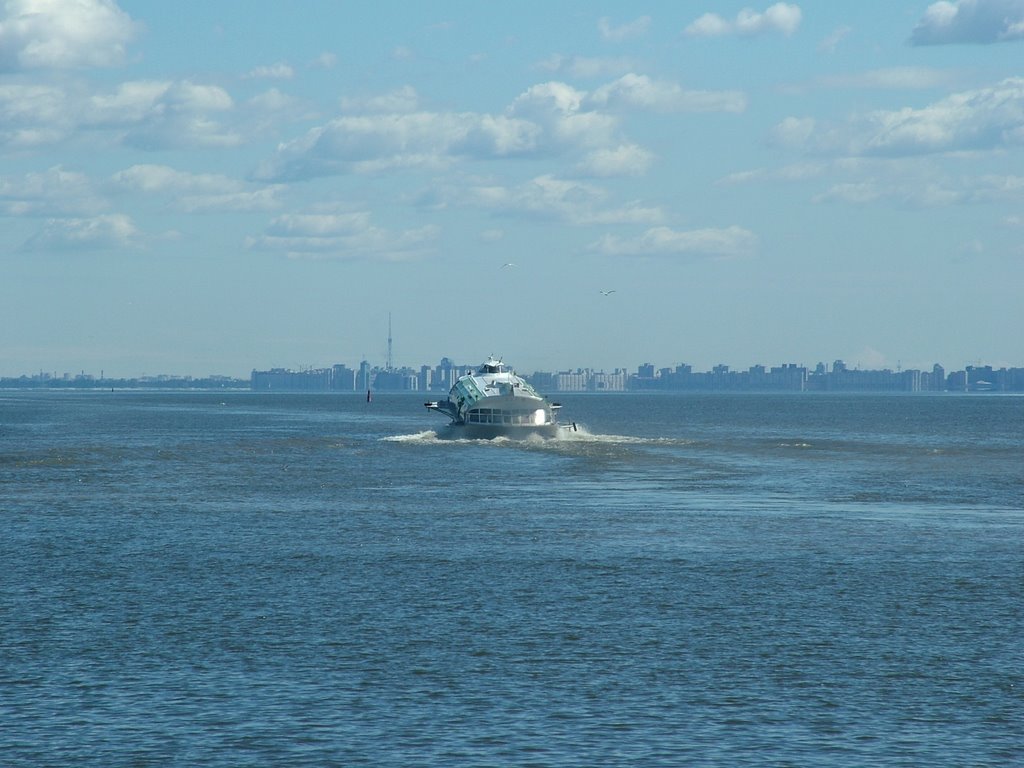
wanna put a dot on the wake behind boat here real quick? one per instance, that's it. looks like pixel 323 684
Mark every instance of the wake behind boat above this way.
pixel 496 402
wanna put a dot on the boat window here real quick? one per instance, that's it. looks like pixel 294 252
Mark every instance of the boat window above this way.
pixel 499 416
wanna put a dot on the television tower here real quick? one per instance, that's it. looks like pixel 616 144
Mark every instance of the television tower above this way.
pixel 389 341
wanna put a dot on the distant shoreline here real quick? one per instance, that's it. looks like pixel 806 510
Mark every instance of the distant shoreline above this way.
pixel 647 378
pixel 413 394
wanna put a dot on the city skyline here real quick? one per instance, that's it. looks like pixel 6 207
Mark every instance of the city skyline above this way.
pixel 655 368
pixel 192 189
pixel 381 364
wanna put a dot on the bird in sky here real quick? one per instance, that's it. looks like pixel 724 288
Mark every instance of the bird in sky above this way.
pixel 507 264
pixel 606 293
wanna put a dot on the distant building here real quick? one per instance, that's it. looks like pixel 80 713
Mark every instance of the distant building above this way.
pixel 935 380
pixel 398 380
pixel 446 373
pixel 343 378
pixel 542 381
pixel 843 379
pixel 426 378
pixel 789 377
pixel 608 382
pixel 282 380
pixel 957 382
pixel 572 381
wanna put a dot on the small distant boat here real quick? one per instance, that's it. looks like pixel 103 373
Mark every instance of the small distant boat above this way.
pixel 495 402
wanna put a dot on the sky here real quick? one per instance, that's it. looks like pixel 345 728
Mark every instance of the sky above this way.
pixel 199 188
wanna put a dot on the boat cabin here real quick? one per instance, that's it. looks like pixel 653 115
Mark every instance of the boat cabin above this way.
pixel 493 366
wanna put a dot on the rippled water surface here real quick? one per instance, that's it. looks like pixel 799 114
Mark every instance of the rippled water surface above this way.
pixel 234 579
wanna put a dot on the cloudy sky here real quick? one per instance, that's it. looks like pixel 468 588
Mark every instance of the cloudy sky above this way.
pixel 197 188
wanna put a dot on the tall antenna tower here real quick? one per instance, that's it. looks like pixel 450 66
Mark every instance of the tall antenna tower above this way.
pixel 389 341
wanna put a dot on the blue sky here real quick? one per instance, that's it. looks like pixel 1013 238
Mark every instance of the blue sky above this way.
pixel 199 188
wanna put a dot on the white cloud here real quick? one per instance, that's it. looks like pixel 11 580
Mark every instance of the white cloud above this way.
pixel 349 235
pixel 272 100
pixel 547 197
pixel 140 100
pixel 910 182
pixel 623 160
pixel 188 96
pixel 538 101
pixel 55 192
pixel 33 115
pixel 970 21
pixel 584 67
pixel 633 29
pixel 147 114
pixel 926 194
pixel 549 119
pixel 196 193
pixel 794 131
pixel 130 102
pixel 319 224
pixel 781 17
pixel 164 114
pixel 998 187
pixel 55 34
pixel 857 193
pixel 110 231
pixel 832 41
pixel 793 173
pixel 400 100
pixel 158 178
pixel 634 91
pixel 279 71
pixel 371 143
pixel 150 114
pixel 982 119
pixel 899 78
pixel 262 199
pixel 922 187
pixel 631 213
pixel 663 241
pixel 557 109
pixel 326 60
pixel 709 25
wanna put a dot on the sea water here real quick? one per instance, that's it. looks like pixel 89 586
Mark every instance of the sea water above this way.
pixel 241 579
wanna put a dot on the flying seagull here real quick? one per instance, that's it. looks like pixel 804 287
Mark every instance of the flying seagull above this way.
pixel 605 293
pixel 507 264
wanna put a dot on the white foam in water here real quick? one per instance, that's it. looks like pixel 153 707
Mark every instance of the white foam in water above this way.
pixel 427 436
pixel 566 436
pixel 449 436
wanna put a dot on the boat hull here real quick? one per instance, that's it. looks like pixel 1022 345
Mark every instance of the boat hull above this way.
pixel 462 431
